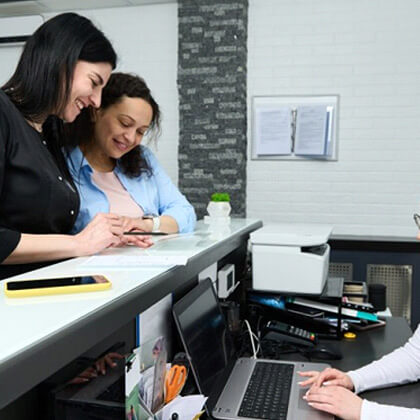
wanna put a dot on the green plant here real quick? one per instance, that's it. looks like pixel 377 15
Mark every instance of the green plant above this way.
pixel 220 197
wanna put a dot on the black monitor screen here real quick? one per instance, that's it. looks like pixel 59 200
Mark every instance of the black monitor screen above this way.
pixel 204 332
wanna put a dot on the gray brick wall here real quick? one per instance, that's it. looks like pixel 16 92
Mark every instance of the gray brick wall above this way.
pixel 212 101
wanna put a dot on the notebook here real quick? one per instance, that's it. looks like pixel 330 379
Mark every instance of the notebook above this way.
pixel 238 388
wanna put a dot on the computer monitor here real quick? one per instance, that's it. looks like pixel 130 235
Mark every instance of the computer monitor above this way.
pixel 204 333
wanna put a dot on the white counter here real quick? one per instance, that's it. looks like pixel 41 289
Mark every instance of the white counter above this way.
pixel 31 326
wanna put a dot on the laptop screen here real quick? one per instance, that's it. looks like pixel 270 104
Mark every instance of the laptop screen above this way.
pixel 204 333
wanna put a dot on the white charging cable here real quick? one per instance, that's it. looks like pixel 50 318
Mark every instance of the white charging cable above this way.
pixel 252 336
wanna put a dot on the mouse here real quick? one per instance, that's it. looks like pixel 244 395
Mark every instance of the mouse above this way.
pixel 324 352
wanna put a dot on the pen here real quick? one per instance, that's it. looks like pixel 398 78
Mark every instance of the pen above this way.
pixel 146 233
pixel 416 218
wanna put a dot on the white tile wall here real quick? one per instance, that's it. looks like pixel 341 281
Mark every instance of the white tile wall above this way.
pixel 368 52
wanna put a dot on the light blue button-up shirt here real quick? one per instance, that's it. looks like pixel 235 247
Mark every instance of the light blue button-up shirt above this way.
pixel 155 194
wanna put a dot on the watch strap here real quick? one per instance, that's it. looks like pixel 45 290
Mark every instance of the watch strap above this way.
pixel 156 223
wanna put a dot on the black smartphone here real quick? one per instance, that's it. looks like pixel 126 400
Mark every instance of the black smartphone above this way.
pixel 138 233
pixel 56 285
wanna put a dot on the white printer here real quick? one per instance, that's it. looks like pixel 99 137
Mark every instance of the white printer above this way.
pixel 291 258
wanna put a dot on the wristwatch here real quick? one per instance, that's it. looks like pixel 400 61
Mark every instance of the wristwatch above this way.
pixel 155 219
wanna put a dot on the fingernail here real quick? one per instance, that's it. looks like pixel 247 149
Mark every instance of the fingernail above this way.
pixel 311 404
pixel 304 397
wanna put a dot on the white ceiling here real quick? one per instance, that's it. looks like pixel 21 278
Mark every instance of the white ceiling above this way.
pixel 31 7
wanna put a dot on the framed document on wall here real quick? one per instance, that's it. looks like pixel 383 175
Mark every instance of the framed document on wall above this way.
pixel 294 127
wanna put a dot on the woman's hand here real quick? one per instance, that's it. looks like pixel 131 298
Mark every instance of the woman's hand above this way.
pixel 327 377
pixel 137 223
pixel 335 400
pixel 100 367
pixel 132 224
pixel 107 360
pixel 104 230
pixel 85 376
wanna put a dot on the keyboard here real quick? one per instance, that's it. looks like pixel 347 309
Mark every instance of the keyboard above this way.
pixel 268 392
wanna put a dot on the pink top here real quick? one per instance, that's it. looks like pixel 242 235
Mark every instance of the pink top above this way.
pixel 120 201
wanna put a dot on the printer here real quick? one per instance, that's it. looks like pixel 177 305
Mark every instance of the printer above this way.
pixel 290 258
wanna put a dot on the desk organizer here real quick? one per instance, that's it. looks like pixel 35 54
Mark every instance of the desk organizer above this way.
pixel 274 306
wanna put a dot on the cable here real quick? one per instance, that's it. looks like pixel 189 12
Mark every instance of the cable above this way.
pixel 251 336
pixel 258 343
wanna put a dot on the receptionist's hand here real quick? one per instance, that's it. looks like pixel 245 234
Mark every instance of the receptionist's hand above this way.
pixel 327 377
pixel 335 400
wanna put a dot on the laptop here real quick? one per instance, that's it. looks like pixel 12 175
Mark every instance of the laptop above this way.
pixel 238 388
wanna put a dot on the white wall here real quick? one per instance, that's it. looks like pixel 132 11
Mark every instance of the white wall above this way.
pixel 10 53
pixel 368 52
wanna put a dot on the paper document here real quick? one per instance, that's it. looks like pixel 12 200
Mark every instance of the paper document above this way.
pixel 134 261
pixel 311 130
pixel 273 131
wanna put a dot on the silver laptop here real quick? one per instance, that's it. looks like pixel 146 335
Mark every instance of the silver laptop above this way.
pixel 237 388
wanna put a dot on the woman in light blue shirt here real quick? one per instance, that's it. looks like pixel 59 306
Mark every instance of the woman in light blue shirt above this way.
pixel 114 173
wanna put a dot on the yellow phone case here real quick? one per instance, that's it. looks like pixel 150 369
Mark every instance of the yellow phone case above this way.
pixel 58 290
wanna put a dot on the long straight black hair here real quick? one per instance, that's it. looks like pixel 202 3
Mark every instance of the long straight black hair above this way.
pixel 41 83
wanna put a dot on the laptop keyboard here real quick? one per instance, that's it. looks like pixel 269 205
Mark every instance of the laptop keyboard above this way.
pixel 268 392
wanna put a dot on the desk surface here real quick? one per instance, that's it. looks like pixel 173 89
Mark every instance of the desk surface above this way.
pixel 39 335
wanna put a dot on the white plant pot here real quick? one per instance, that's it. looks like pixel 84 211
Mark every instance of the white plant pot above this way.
pixel 218 209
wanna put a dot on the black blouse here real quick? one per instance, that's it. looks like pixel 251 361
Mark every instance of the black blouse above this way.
pixel 35 196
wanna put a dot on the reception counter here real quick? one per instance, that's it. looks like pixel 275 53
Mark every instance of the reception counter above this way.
pixel 40 335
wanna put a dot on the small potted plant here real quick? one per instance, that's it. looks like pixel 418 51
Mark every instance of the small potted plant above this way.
pixel 219 205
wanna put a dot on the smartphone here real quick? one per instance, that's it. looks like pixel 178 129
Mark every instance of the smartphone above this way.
pixel 57 285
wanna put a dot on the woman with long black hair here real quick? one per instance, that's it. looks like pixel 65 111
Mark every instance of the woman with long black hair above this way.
pixel 62 70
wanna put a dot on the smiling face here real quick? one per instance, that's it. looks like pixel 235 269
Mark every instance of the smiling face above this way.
pixel 121 127
pixel 88 82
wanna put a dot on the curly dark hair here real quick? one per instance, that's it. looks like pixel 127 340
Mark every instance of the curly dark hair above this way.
pixel 81 131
